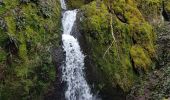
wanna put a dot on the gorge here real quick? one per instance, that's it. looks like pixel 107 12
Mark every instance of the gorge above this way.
pixel 84 49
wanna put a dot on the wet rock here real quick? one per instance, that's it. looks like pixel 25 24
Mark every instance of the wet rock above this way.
pixel 58 56
pixel 57 92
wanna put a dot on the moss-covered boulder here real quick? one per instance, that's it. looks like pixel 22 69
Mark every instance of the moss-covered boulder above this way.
pixel 121 40
pixel 28 31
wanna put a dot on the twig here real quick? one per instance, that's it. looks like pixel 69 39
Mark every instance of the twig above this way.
pixel 114 39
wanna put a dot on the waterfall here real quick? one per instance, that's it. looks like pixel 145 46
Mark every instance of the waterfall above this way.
pixel 72 71
pixel 63 4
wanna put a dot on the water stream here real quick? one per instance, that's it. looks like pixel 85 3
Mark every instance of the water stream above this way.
pixel 73 69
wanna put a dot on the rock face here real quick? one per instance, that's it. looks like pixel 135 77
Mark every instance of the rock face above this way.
pixel 58 90
pixel 28 31
pixel 155 86
pixel 163 42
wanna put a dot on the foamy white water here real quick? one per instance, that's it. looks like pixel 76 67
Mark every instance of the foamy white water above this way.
pixel 77 87
pixel 63 4
pixel 73 70
pixel 68 20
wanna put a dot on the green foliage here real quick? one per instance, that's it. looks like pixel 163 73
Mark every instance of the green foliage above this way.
pixel 2 9
pixel 73 4
pixel 3 55
pixel 10 4
pixel 141 60
pixel 3 38
pixel 20 22
pixel 46 10
pixel 167 6
pixel 23 51
pixel 33 29
pixel 96 20
pixel 76 4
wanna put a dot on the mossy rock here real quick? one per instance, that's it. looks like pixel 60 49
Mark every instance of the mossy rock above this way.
pixel 116 32
pixel 140 58
pixel 151 10
pixel 95 19
pixel 76 4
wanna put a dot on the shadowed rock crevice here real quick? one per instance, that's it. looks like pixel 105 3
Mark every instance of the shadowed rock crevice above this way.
pixel 57 91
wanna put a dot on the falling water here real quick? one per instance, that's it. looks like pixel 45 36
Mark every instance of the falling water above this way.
pixel 72 71
pixel 63 4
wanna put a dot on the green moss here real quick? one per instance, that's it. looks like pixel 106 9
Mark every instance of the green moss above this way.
pixel 129 28
pixel 167 5
pixel 141 60
pixel 3 55
pixel 96 19
pixel 74 4
pixel 10 4
pixel 3 38
pixel 2 9
pixel 151 10
pixel 23 51
pixel 30 69
pixel 11 24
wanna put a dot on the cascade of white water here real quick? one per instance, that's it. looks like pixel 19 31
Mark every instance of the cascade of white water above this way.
pixel 72 71
pixel 63 4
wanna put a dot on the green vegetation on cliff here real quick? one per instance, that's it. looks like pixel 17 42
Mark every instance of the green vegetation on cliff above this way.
pixel 156 84
pixel 28 31
pixel 151 10
pixel 119 33
pixel 121 40
pixel 74 4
